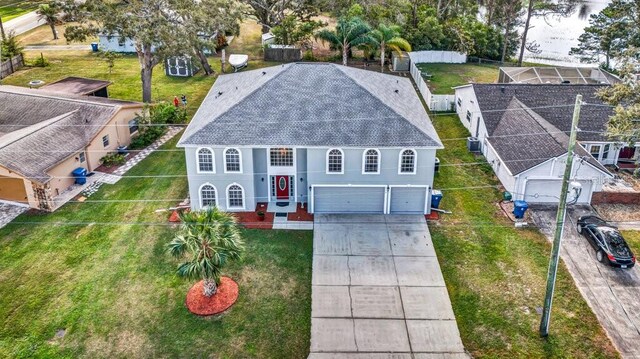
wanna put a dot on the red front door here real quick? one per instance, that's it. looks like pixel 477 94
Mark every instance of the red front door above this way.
pixel 282 187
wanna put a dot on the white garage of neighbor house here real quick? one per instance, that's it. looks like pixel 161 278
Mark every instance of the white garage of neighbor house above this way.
pixel 332 138
pixel 526 144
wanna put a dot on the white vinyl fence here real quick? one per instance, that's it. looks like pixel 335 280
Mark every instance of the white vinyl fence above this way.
pixel 435 102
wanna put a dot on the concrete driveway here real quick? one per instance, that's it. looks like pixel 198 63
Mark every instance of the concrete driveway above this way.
pixel 612 293
pixel 378 291
pixel 9 211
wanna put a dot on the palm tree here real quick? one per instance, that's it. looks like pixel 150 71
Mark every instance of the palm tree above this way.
pixel 207 240
pixel 388 37
pixel 349 32
pixel 49 13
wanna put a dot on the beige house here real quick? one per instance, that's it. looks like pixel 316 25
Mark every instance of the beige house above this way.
pixel 45 135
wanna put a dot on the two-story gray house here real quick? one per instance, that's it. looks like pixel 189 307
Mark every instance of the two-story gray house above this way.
pixel 332 138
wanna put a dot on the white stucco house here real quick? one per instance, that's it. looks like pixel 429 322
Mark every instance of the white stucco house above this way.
pixel 332 138
pixel 522 130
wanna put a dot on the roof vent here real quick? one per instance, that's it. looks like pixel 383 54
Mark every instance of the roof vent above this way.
pixel 396 91
pixel 264 73
pixel 502 88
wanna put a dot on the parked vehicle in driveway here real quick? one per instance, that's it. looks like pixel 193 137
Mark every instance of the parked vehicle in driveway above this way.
pixel 607 241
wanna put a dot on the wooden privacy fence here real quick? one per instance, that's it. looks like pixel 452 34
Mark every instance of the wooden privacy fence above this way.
pixel 434 102
pixel 10 66
pixel 282 53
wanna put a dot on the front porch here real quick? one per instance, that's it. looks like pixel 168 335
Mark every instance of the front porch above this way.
pixel 293 216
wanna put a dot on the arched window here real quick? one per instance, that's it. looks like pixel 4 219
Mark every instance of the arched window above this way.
pixel 235 196
pixel 335 161
pixel 207 196
pixel 407 163
pixel 232 161
pixel 205 160
pixel 371 161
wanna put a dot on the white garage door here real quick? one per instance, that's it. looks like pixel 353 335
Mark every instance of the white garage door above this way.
pixel 348 199
pixel 407 200
pixel 548 191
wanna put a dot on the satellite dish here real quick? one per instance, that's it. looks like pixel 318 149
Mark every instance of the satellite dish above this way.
pixel 35 83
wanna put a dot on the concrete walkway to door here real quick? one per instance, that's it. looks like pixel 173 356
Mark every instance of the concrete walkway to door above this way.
pixel 378 292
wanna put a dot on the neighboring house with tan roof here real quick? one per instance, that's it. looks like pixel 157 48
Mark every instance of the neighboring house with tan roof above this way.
pixel 45 135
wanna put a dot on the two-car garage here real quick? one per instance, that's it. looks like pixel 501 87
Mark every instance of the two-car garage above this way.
pixel 391 199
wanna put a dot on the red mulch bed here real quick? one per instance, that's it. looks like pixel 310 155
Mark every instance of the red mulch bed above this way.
pixel 224 298
pixel 433 216
pixel 251 220
pixel 301 214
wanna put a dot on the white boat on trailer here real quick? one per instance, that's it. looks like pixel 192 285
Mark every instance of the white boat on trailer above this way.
pixel 238 61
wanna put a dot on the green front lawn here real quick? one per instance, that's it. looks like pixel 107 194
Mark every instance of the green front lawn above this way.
pixel 10 9
pixel 633 240
pixel 113 287
pixel 446 76
pixel 496 274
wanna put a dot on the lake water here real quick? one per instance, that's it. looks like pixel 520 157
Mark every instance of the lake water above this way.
pixel 557 36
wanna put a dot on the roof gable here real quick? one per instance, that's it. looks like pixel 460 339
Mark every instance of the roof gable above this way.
pixel 311 105
pixel 523 139
pixel 552 102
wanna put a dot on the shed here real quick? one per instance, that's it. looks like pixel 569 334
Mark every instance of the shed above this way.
pixel 268 38
pixel 79 86
pixel 181 66
pixel 400 61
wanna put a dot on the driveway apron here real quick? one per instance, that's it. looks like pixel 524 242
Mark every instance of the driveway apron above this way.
pixel 378 292
pixel 612 293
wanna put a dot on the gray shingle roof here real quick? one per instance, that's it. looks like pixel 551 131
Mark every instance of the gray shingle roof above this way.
pixel 76 85
pixel 311 105
pixel 523 140
pixel 39 129
pixel 553 102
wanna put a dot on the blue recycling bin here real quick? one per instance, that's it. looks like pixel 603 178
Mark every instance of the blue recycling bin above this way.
pixel 436 197
pixel 94 46
pixel 519 207
pixel 80 174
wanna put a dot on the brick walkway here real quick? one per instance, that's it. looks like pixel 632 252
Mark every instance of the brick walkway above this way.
pixel 147 151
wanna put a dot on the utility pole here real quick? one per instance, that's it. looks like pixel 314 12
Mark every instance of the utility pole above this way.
pixel 560 217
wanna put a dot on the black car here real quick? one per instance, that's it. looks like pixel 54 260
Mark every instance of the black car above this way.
pixel 607 241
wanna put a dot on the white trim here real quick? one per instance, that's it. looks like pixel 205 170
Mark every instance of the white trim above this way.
pixel 341 162
pixel 224 159
pixel 244 197
pixel 215 193
pixel 213 160
pixel 312 207
pixel 319 147
pixel 415 162
pixel 364 154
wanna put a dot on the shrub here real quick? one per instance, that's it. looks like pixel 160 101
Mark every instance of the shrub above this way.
pixel 309 56
pixel 167 113
pixel 113 159
pixel 41 61
pixel 146 136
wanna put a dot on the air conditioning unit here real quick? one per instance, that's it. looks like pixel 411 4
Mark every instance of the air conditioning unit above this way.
pixel 473 144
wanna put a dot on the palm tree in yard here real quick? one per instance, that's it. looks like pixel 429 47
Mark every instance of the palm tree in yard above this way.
pixel 49 13
pixel 388 38
pixel 207 240
pixel 349 32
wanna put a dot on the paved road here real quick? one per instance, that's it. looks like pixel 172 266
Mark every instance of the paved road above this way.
pixel 612 293
pixel 58 47
pixel 22 24
pixel 378 292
